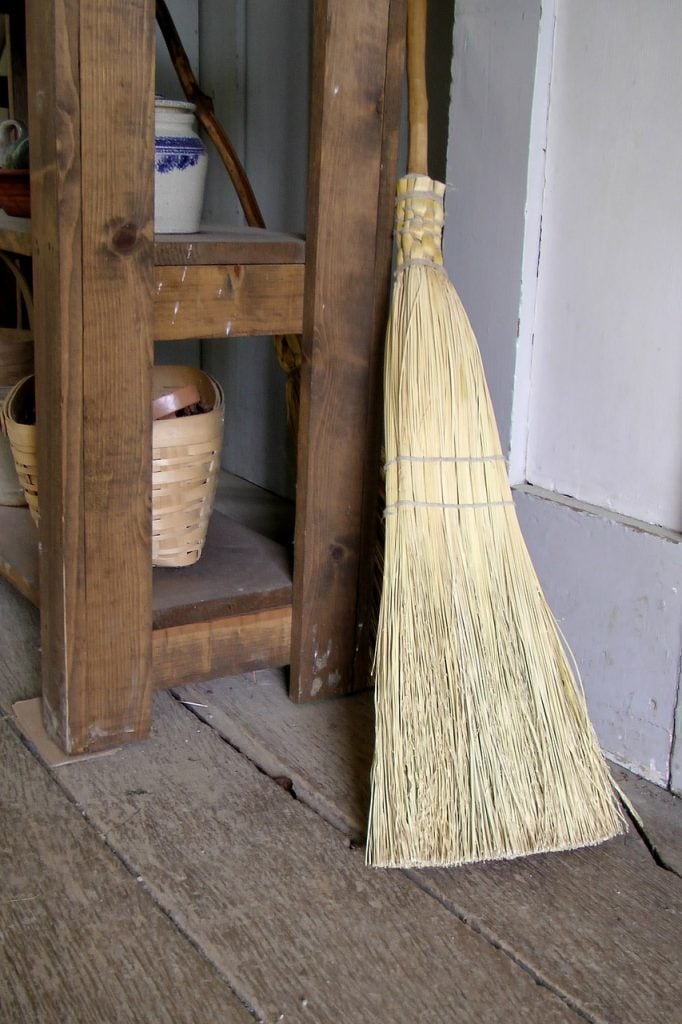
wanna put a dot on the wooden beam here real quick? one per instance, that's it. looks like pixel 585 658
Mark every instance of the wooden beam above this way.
pixel 371 540
pixel 357 60
pixel 221 647
pixel 91 81
pixel 222 301
pixel 221 244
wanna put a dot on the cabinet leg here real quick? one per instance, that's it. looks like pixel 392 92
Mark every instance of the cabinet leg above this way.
pixel 91 80
pixel 354 134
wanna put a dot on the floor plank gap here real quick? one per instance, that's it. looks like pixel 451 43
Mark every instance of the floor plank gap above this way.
pixel 539 979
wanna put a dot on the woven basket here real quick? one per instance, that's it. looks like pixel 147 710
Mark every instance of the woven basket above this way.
pixel 185 462
pixel 11 492
pixel 19 406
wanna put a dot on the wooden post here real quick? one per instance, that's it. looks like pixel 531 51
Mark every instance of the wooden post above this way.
pixel 91 99
pixel 357 68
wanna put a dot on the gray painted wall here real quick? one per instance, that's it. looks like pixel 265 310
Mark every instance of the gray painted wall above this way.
pixel 256 65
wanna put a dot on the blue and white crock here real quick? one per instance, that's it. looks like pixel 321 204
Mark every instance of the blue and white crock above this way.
pixel 180 168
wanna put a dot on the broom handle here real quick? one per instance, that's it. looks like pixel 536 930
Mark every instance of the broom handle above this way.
pixel 418 107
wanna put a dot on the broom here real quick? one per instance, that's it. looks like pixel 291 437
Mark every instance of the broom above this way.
pixel 484 749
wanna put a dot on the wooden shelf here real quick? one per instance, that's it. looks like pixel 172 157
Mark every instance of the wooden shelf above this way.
pixel 103 294
pixel 228 613
pixel 213 244
pixel 225 244
pixel 217 283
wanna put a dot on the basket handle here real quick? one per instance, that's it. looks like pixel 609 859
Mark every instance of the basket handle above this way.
pixel 418 106
pixel 23 288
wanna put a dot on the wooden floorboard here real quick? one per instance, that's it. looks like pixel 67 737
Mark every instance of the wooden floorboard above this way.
pixel 661 815
pixel 279 902
pixel 19 648
pixel 603 926
pixel 80 939
pixel 324 748
pixel 284 908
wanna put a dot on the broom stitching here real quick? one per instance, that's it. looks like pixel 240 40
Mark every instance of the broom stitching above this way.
pixel 417 261
pixel 418 193
pixel 396 505
pixel 444 458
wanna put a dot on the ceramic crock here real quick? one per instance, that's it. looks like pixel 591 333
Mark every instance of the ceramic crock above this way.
pixel 180 168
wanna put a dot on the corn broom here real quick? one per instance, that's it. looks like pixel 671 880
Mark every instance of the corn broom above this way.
pixel 484 749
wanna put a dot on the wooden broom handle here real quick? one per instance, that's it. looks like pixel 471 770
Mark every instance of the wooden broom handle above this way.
pixel 418 106
pixel 207 118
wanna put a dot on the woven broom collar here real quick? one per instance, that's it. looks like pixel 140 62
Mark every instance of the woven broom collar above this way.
pixel 419 220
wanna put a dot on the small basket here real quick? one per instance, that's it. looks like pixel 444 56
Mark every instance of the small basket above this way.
pixel 17 418
pixel 185 462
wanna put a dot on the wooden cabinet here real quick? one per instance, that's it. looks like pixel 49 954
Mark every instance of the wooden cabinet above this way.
pixel 113 631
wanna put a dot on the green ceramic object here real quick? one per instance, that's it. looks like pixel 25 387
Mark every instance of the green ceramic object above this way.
pixel 17 157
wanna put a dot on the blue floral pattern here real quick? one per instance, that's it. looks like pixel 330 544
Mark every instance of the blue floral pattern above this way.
pixel 175 153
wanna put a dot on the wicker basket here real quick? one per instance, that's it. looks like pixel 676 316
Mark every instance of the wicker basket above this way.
pixel 11 491
pixel 185 465
pixel 186 459
pixel 18 422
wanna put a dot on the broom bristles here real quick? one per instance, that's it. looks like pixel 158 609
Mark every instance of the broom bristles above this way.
pixel 484 748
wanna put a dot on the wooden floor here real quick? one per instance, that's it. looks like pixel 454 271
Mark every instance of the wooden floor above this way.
pixel 215 874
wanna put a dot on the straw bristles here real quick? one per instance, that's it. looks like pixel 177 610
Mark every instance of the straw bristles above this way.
pixel 484 749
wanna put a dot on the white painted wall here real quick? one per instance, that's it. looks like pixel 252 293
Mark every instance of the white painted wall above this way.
pixel 582 406
pixel 605 416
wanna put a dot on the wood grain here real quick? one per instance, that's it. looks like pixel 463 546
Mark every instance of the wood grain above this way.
pixel 353 92
pixel 324 747
pixel 213 244
pixel 371 539
pixel 230 300
pixel 82 941
pixel 660 812
pixel 226 245
pixel 601 926
pixel 92 223
pixel 19 648
pixel 239 571
pixel 225 646
pixel 19 551
pixel 277 901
